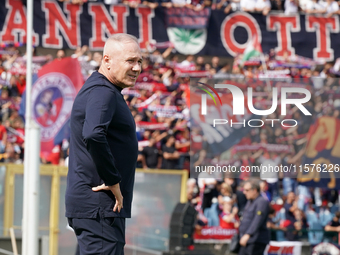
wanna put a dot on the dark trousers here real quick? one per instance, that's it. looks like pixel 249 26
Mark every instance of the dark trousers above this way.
pixel 252 249
pixel 104 236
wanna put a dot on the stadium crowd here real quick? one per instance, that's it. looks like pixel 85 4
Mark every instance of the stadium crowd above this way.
pixel 328 7
pixel 160 106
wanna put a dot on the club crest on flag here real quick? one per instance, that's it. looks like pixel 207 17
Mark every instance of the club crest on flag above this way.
pixel 52 96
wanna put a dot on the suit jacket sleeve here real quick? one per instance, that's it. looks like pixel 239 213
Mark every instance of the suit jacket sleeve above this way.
pixel 100 108
pixel 259 218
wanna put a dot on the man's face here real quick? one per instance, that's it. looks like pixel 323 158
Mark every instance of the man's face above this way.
pixel 60 54
pixel 249 192
pixel 152 142
pixel 125 64
pixel 291 196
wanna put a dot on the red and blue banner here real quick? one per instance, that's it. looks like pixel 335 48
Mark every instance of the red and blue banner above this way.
pixel 187 18
pixel 321 163
pixel 218 233
pixel 283 248
pixel 64 25
pixel 54 90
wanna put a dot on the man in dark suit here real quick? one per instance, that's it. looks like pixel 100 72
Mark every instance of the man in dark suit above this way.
pixel 253 229
pixel 103 151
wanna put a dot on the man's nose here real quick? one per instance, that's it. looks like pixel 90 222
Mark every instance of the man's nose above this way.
pixel 137 67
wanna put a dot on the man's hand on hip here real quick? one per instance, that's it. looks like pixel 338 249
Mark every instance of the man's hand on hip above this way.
pixel 115 189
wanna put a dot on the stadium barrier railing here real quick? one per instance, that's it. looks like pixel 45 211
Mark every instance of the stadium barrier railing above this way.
pixel 156 194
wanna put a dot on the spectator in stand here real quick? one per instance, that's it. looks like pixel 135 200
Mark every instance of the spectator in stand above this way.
pixel 270 160
pixel 314 6
pixel 235 5
pixel 325 216
pixel 152 157
pixel 264 191
pixel 13 89
pixel 18 126
pixel 331 7
pixel 228 216
pixel 188 62
pixel 295 228
pixel 193 192
pixel 5 103
pixel 214 211
pixel 291 6
pixel 248 5
pixel 224 69
pixel 96 60
pixel 182 145
pixel 289 182
pixel 263 6
pixel 225 191
pixel 79 52
pixel 303 5
pixel 273 224
pixel 326 69
pixel 207 67
pixel 173 61
pixel 153 4
pixel 8 60
pixel 132 3
pixel 60 54
pixel 220 4
pixel 232 183
pixel 169 80
pixel 200 63
pixel 290 206
pixel 9 155
pixel 207 182
pixel 215 63
pixel 179 3
pixel 332 229
pixel 170 154
pixel 156 57
pixel 277 5
pixel 198 5
pixel 21 84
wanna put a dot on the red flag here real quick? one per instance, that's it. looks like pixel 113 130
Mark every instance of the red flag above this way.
pixel 53 94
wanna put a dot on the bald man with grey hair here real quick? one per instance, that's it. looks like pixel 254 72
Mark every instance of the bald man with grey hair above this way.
pixel 103 151
pixel 118 38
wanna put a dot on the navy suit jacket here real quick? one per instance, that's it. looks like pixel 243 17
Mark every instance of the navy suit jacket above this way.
pixel 103 149
pixel 254 221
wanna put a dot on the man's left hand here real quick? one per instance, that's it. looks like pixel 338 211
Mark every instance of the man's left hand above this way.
pixel 244 239
pixel 115 189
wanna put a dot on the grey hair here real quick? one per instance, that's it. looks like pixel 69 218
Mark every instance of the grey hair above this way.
pixel 255 184
pixel 120 37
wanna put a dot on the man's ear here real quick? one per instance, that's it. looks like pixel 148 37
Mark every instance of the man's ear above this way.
pixel 106 61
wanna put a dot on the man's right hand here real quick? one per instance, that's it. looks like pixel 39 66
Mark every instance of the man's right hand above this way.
pixel 115 189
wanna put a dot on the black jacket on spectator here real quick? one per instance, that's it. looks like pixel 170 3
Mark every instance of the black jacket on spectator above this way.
pixel 103 149
pixel 254 221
